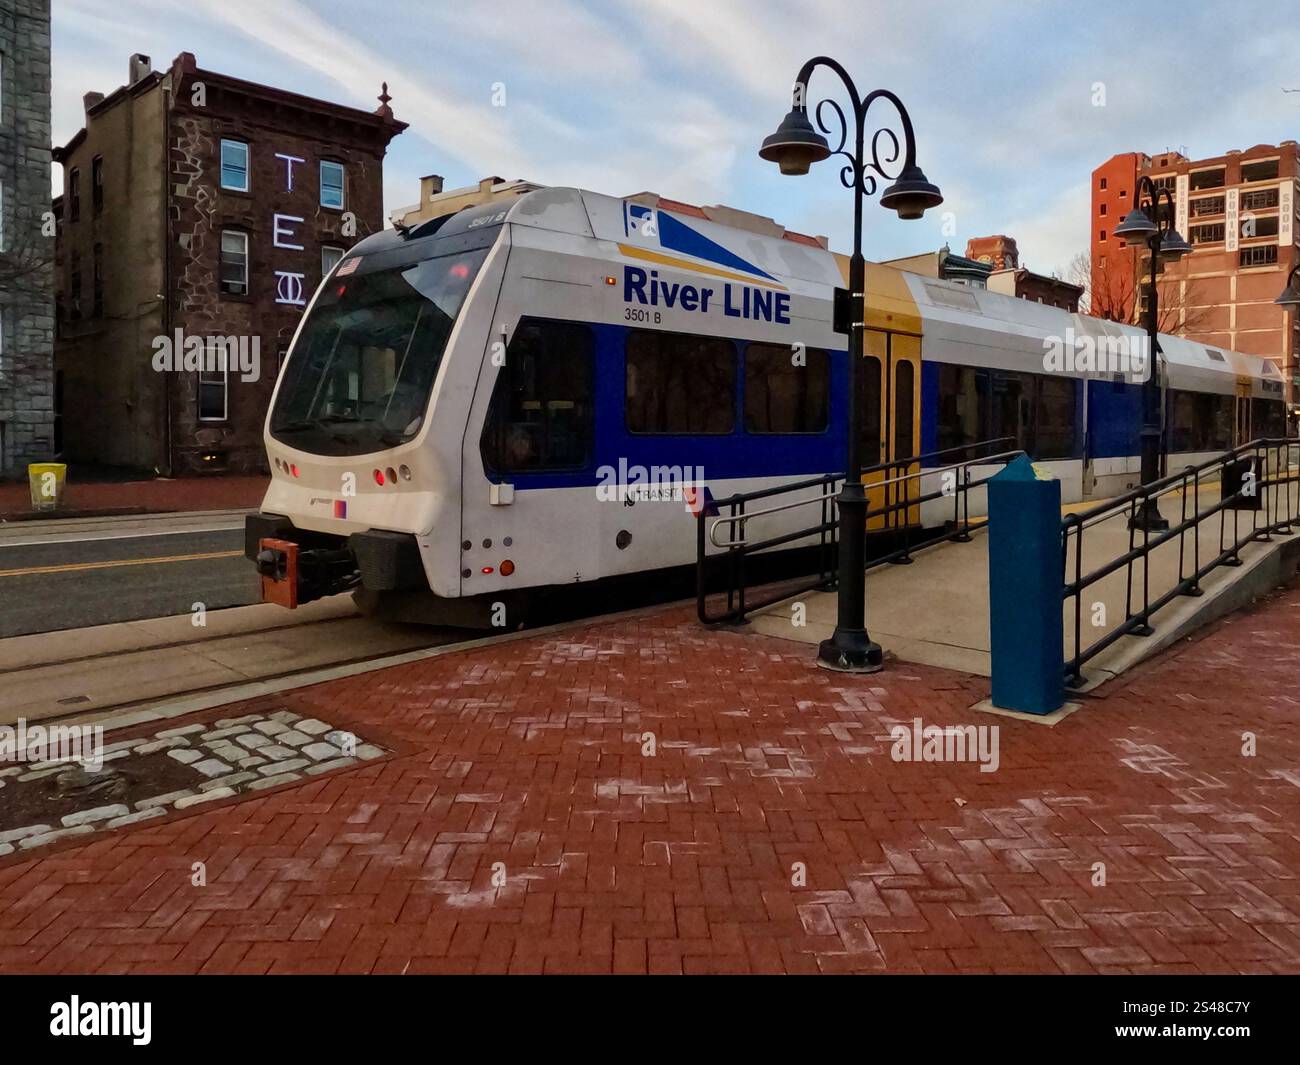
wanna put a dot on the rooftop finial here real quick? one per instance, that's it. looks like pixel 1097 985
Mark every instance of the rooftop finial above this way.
pixel 383 108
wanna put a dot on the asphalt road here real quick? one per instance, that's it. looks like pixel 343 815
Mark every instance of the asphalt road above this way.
pixel 71 574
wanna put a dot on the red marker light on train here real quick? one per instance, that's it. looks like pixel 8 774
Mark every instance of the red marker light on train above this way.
pixel 460 270
pixel 293 468
pixel 610 281
pixel 379 476
pixel 487 569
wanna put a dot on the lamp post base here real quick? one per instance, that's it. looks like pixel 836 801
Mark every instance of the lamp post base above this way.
pixel 850 651
pixel 1147 518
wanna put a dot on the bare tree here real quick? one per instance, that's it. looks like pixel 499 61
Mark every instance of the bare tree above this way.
pixel 1111 291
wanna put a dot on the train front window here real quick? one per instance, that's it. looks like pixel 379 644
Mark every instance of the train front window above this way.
pixel 359 378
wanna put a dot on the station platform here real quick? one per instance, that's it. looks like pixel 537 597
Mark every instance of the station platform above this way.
pixel 644 795
pixel 936 610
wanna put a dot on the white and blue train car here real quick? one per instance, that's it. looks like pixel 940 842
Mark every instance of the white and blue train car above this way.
pixel 489 404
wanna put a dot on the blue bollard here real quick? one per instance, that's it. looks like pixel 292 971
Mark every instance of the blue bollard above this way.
pixel 1025 627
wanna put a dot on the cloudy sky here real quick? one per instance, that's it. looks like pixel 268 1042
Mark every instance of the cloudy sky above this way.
pixel 676 95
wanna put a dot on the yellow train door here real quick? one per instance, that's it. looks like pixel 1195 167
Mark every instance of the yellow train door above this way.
pixel 891 401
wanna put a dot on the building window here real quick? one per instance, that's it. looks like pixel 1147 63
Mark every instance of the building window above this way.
pixel 74 195
pixel 234 262
pixel 1207 234
pixel 1101 235
pixel 234 166
pixel 1102 210
pixel 1103 185
pixel 1258 199
pixel 1207 205
pixel 331 184
pixel 541 416
pixel 97 184
pixel 213 388
pixel 97 283
pixel 1208 179
pixel 680 385
pixel 1259 255
pixel 1259 227
pixel 329 258
pixel 781 397
pixel 1265 171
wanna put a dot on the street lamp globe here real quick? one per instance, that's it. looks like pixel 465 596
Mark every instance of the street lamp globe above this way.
pixel 795 145
pixel 1290 296
pixel 1173 247
pixel 1137 227
pixel 912 194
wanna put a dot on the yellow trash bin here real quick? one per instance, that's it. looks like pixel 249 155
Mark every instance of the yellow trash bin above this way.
pixel 46 481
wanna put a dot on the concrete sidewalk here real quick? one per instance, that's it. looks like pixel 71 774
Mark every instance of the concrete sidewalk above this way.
pixel 156 496
pixel 645 795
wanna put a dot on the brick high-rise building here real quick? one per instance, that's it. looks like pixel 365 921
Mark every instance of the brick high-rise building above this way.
pixel 197 205
pixel 1238 212
pixel 26 237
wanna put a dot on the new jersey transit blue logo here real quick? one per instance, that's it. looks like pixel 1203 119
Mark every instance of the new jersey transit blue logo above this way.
pixel 756 300
pixel 672 234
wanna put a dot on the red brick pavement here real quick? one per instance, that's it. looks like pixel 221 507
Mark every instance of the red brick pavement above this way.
pixel 153 496
pixel 528 754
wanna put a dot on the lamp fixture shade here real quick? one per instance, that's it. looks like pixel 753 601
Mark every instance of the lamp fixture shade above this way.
pixel 1136 228
pixel 795 145
pixel 912 194
pixel 1173 247
pixel 1290 297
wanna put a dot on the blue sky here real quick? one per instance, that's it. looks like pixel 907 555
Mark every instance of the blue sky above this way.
pixel 676 95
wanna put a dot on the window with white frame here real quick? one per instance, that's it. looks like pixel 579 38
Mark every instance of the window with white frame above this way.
pixel 234 262
pixel 234 166
pixel 329 258
pixel 213 387
pixel 331 184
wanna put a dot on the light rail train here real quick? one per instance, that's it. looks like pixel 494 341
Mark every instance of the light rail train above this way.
pixel 461 397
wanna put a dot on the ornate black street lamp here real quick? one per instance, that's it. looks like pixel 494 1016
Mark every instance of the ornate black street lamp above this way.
pixel 1162 240
pixel 795 146
pixel 1290 298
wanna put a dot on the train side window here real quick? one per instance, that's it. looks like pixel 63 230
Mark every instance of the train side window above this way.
pixel 1186 425
pixel 1267 418
pixel 1009 403
pixel 1054 418
pixel 904 384
pixel 963 407
pixel 782 396
pixel 540 417
pixel 1223 414
pixel 680 385
pixel 869 393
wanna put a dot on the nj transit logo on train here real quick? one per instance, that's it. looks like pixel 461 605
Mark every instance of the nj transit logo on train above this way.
pixel 745 290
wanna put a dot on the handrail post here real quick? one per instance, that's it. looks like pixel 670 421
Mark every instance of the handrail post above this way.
pixel 1194 589
pixel 1145 628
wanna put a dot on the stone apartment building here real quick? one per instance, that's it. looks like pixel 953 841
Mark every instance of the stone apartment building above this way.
pixel 1238 211
pixel 198 205
pixel 26 238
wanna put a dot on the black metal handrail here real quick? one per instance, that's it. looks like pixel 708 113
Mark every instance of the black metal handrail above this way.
pixel 738 548
pixel 1246 469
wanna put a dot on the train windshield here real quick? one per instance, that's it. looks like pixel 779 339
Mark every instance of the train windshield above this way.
pixel 359 377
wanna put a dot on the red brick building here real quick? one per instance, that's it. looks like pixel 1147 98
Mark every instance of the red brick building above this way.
pixel 1238 212
pixel 1011 279
pixel 197 205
